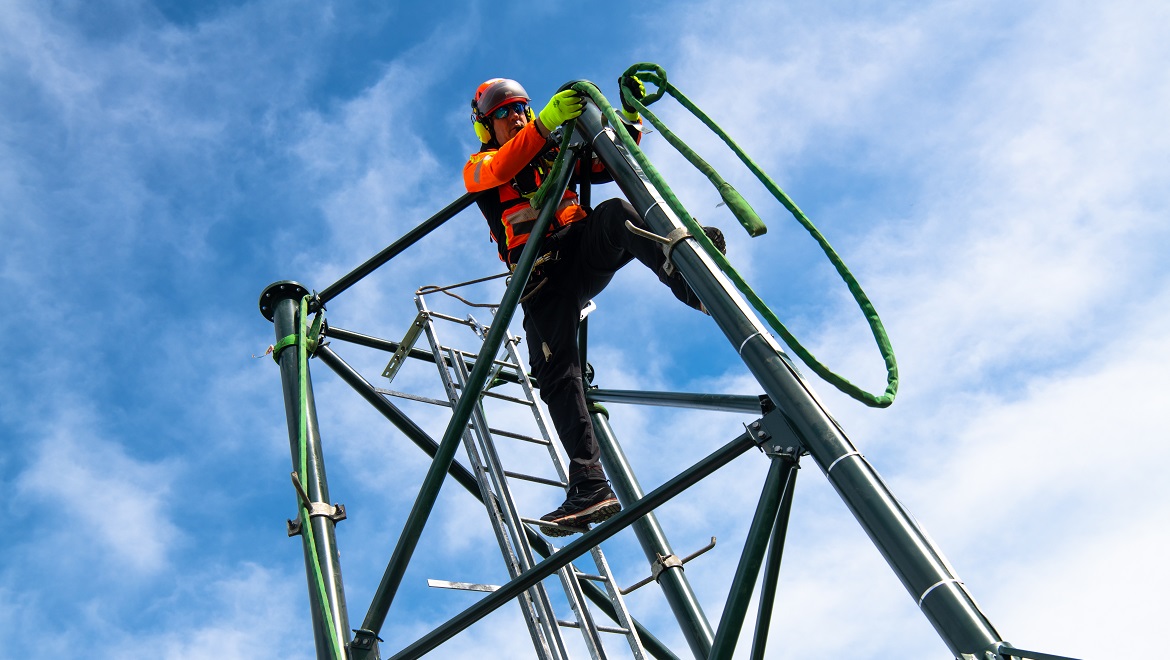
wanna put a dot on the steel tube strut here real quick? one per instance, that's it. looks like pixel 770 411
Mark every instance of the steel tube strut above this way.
pixel 920 566
pixel 578 547
pixel 464 478
pixel 742 585
pixel 392 346
pixel 719 402
pixel 410 238
pixel 392 413
pixel 772 567
pixel 429 491
pixel 675 586
pixel 280 303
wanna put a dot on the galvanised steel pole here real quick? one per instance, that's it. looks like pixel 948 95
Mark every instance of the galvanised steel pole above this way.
pixel 280 303
pixel 675 586
pixel 916 561
pixel 433 481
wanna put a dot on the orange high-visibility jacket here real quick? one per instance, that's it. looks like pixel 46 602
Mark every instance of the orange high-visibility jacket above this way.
pixel 516 170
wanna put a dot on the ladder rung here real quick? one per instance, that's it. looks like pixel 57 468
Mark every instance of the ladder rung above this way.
pixel 594 578
pixel 545 523
pixel 413 397
pixel 539 480
pixel 505 397
pixel 608 629
pixel 502 397
pixel 517 436
pixel 452 319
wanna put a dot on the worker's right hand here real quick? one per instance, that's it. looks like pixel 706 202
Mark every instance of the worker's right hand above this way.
pixel 561 108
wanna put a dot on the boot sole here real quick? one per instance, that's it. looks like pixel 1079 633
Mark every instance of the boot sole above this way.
pixel 603 510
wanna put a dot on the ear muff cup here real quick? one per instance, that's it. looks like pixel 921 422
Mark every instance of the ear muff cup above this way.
pixel 531 114
pixel 482 133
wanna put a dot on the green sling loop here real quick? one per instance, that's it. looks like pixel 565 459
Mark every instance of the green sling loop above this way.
pixel 652 73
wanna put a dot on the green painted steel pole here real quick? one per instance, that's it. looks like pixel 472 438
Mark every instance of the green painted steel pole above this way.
pixel 280 303
pixel 352 337
pixel 410 238
pixel 772 567
pixel 748 569
pixel 675 586
pixel 914 558
pixel 578 547
pixel 433 481
pixel 463 477
pixel 393 414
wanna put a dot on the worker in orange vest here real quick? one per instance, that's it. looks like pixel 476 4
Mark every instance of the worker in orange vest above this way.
pixel 582 250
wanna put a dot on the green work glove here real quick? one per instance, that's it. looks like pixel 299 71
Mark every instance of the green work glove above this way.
pixel 637 90
pixel 561 108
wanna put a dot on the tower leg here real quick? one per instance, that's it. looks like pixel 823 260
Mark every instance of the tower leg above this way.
pixel 673 580
pixel 280 303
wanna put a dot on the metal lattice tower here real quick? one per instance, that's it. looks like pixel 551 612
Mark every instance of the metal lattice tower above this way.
pixel 792 422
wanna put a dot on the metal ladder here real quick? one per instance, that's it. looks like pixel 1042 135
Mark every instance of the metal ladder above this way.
pixel 510 527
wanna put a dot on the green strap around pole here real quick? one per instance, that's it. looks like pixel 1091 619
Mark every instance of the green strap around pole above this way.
pixel 302 340
pixel 652 73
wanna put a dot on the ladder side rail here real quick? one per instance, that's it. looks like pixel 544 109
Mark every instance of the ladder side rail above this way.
pixel 534 603
pixel 495 469
pixel 543 424
pixel 568 578
pixel 623 614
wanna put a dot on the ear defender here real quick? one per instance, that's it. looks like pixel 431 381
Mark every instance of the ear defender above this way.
pixel 482 133
pixel 531 114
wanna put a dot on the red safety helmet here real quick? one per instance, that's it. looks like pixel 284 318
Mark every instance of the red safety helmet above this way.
pixel 493 93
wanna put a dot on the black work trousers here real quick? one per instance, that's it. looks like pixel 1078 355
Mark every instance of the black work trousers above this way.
pixel 587 254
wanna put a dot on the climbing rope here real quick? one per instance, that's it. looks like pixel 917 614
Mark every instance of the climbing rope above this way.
pixel 654 74
pixel 306 342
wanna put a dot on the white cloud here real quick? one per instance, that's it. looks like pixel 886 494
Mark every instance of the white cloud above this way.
pixel 91 486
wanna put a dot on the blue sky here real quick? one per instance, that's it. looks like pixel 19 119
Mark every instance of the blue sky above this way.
pixel 994 173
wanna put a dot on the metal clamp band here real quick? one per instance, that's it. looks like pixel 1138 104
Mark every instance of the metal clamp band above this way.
pixel 749 338
pixel 646 213
pixel 841 458
pixel 934 586
pixel 604 129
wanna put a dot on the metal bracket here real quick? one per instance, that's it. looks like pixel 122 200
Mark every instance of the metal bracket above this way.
pixel 408 341
pixel 664 563
pixel 775 435
pixel 364 645
pixel 334 512
pixel 669 242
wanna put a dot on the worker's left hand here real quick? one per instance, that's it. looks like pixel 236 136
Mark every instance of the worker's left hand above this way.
pixel 637 90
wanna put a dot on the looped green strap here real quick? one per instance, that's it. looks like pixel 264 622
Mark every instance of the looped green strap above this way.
pixel 652 73
pixel 279 346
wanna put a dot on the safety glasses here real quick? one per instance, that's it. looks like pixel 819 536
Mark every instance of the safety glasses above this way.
pixel 518 106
